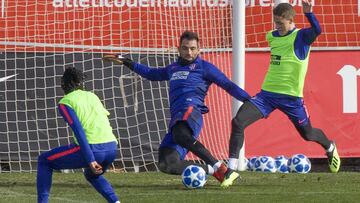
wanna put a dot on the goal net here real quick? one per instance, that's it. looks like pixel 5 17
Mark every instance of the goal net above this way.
pixel 39 38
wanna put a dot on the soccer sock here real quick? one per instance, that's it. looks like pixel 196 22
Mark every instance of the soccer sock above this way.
pixel 210 170
pixel 331 148
pixel 232 163
pixel 217 165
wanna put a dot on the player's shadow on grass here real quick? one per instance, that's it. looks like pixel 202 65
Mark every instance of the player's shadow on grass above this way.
pixel 87 185
pixel 84 184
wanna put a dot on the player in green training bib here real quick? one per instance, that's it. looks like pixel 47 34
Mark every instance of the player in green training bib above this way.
pixel 284 83
pixel 94 147
pixel 286 74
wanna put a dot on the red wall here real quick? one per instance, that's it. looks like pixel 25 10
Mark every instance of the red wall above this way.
pixel 323 97
pixel 38 21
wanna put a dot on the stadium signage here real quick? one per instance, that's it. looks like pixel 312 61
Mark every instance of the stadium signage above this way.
pixel 140 3
pixel 161 3
pixel 268 3
pixel 349 74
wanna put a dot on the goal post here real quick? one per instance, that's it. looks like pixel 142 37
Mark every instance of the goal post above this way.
pixel 238 63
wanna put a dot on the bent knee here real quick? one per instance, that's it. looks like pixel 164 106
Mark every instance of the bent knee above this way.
pixel 168 168
pixel 237 124
pixel 163 167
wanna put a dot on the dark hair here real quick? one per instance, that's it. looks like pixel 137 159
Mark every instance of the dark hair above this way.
pixel 189 35
pixel 72 79
pixel 284 10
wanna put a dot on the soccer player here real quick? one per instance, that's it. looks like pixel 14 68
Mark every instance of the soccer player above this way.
pixel 95 145
pixel 283 85
pixel 190 78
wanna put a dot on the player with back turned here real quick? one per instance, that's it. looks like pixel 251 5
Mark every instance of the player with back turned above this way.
pixel 94 147
pixel 190 78
pixel 283 85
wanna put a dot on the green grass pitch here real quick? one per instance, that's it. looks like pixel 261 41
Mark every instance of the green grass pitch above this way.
pixel 158 187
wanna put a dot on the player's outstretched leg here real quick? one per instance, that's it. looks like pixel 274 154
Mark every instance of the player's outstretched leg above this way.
pixel 333 159
pixel 230 177
pixel 317 135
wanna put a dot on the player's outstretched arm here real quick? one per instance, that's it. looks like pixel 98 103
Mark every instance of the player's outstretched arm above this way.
pixel 219 78
pixel 119 59
pixel 307 7
pixel 154 74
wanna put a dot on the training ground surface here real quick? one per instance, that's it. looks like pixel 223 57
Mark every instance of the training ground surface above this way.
pixel 158 187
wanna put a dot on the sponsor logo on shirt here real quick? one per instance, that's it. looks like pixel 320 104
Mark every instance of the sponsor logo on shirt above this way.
pixel 180 75
pixel 275 59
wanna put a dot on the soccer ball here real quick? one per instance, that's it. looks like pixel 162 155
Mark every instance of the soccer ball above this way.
pixel 281 163
pixel 265 164
pixel 194 177
pixel 251 162
pixel 299 163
